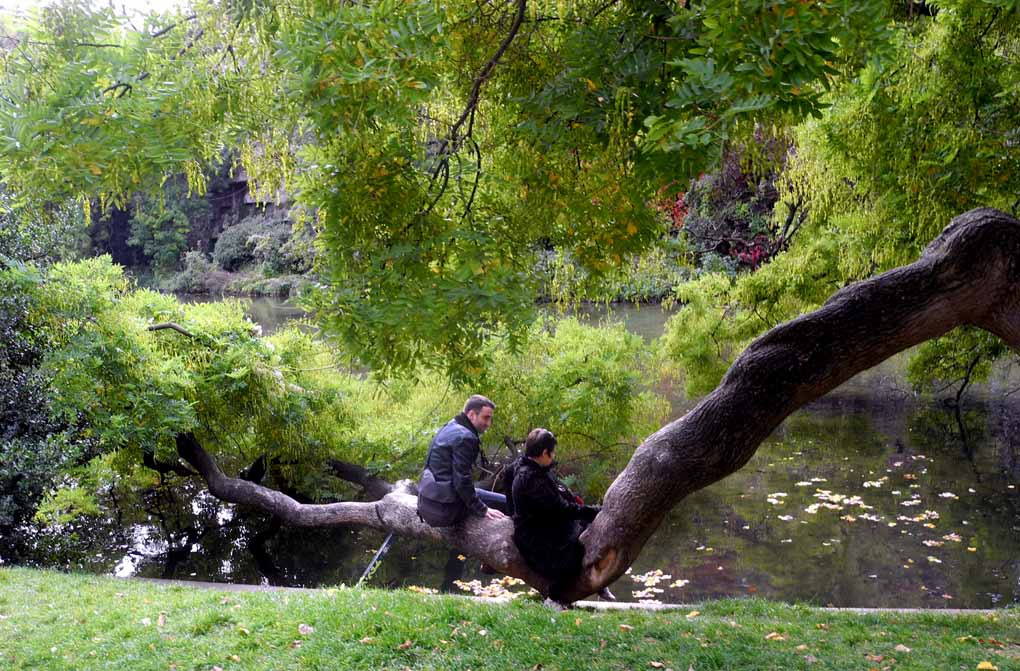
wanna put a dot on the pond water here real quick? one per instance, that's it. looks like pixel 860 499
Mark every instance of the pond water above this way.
pixel 867 497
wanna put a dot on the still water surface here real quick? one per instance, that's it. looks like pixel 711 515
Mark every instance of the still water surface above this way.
pixel 868 497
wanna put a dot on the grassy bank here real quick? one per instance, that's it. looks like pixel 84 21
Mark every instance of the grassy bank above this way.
pixel 50 620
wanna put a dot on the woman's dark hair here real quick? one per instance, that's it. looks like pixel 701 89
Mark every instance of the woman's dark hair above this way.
pixel 539 441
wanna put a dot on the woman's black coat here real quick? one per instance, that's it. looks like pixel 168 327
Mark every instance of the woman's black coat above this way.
pixel 547 522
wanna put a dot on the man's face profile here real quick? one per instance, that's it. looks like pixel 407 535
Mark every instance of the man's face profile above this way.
pixel 481 419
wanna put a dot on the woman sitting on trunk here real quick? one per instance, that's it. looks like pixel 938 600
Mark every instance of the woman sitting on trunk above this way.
pixel 548 519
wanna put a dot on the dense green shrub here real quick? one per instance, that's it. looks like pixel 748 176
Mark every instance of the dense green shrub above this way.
pixel 587 384
pixel 193 277
pixel 648 277
pixel 257 240
pixel 160 225
pixel 34 448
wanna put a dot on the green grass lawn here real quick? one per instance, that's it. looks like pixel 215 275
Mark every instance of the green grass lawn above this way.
pixel 51 620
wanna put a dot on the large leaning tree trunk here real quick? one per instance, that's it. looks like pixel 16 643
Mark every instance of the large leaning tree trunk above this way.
pixel 970 275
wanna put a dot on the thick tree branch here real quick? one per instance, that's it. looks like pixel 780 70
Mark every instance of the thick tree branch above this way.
pixel 489 540
pixel 375 488
pixel 970 275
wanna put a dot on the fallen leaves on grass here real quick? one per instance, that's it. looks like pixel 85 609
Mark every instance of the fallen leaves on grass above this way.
pixel 987 666
pixel 774 636
pixel 626 627
pixel 305 629
pixel 405 645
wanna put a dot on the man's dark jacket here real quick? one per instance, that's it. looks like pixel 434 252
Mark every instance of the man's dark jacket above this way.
pixel 547 523
pixel 446 492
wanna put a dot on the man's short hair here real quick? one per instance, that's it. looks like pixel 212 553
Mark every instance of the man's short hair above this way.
pixel 539 441
pixel 476 403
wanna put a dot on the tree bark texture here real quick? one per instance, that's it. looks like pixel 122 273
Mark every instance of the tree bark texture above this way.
pixel 970 275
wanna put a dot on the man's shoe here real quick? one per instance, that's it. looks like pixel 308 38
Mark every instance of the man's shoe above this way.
pixel 606 595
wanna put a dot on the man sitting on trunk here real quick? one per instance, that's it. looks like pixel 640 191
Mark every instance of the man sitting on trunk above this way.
pixel 446 493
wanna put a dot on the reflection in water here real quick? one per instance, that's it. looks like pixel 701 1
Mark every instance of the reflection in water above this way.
pixel 832 510
pixel 867 497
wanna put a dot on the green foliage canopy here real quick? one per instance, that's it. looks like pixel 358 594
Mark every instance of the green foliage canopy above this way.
pixel 434 161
